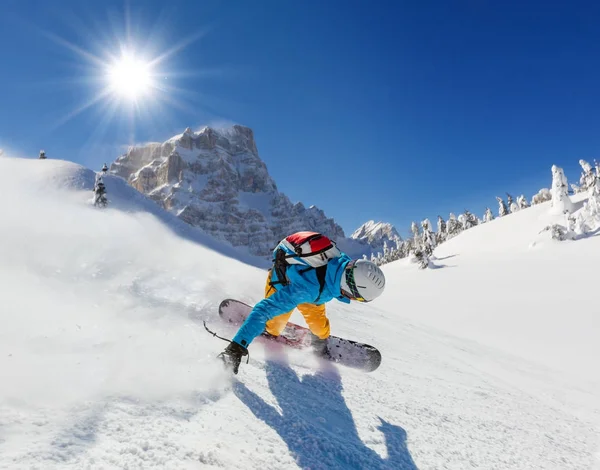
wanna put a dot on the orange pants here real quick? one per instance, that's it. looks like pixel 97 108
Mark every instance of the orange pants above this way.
pixel 314 315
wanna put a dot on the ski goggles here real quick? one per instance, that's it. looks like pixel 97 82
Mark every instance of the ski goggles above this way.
pixel 351 283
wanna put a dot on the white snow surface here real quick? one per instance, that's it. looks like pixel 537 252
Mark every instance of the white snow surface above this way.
pixel 489 362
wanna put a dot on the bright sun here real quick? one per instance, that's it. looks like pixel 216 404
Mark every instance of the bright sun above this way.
pixel 130 78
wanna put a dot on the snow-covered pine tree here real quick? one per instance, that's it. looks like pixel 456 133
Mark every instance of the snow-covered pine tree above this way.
pixel 422 258
pixel 428 238
pixel 100 194
pixel 488 216
pixel 509 200
pixel 502 209
pixel 561 202
pixel 414 228
pixel 592 206
pixel 469 220
pixel 522 202
pixel 588 178
pixel 42 155
pixel 453 227
pixel 386 251
pixel 441 224
pixel 104 168
pixel 474 220
pixel 441 234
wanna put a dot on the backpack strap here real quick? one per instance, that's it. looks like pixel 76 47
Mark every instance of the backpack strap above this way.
pixel 280 265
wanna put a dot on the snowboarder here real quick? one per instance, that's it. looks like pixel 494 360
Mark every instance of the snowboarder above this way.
pixel 308 271
pixel 42 155
pixel 100 193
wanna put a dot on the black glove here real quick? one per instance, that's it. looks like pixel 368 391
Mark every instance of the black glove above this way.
pixel 232 356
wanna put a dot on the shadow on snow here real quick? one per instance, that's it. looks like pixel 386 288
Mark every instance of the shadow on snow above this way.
pixel 316 424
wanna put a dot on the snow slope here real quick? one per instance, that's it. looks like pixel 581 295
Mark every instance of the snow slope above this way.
pixel 104 362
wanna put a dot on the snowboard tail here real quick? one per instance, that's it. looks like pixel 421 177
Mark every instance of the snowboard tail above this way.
pixel 340 350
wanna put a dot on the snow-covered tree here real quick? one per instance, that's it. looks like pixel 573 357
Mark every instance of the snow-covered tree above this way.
pixel 441 234
pixel 591 208
pixel 428 238
pixel 422 258
pixel 588 177
pixel 386 250
pixel 579 225
pixel 104 168
pixel 502 209
pixel 453 227
pixel 414 228
pixel 469 220
pixel 509 200
pixel 543 195
pixel 522 202
pixel 405 248
pixel 100 194
pixel 557 231
pixel 42 155
pixel 488 216
pixel 561 202
pixel 441 224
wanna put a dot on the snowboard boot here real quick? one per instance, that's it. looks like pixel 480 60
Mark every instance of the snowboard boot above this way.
pixel 319 346
pixel 232 356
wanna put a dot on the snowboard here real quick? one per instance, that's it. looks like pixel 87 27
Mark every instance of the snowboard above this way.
pixel 340 350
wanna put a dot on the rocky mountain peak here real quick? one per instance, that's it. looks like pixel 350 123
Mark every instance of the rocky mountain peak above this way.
pixel 215 180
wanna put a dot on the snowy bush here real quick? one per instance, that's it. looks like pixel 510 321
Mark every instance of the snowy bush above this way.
pixel 558 232
pixel 543 195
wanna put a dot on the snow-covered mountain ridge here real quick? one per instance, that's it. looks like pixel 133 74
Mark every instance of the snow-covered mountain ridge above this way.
pixel 215 180
pixel 376 234
pixel 489 360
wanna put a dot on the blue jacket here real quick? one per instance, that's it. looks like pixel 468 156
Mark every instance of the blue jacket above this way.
pixel 303 288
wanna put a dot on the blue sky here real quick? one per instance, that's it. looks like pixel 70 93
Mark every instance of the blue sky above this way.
pixel 370 110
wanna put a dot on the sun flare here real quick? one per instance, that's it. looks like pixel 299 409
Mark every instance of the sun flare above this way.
pixel 130 77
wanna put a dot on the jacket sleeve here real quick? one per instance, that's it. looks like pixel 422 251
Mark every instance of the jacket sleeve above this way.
pixel 282 301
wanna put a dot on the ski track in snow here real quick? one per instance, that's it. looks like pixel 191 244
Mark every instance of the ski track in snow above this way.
pixel 104 362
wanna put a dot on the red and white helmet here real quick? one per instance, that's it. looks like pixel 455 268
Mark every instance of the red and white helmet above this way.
pixel 362 280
